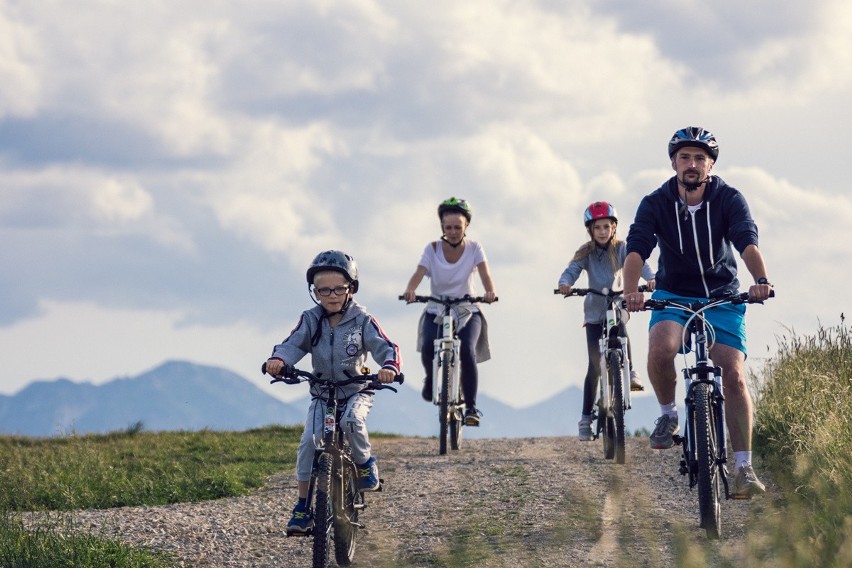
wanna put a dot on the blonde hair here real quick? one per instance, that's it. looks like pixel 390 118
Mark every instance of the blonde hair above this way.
pixel 589 246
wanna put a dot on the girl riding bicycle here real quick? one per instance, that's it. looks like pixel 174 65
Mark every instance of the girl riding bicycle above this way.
pixel 601 257
pixel 450 264
pixel 338 333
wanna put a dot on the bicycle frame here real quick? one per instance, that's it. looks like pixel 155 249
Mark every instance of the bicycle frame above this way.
pixel 446 379
pixel 704 439
pixel 334 474
pixel 614 378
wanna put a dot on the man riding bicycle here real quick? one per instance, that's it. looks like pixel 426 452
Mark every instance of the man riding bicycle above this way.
pixel 697 219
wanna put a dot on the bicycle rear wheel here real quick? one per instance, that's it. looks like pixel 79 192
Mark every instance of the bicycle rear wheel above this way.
pixel 345 519
pixel 616 388
pixel 707 449
pixel 323 513
pixel 443 405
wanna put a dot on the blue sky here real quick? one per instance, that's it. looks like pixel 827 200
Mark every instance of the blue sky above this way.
pixel 168 169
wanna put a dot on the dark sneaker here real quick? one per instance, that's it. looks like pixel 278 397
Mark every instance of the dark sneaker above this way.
pixel 636 381
pixel 666 427
pixel 301 521
pixel 585 428
pixel 368 475
pixel 426 392
pixel 746 484
pixel 471 417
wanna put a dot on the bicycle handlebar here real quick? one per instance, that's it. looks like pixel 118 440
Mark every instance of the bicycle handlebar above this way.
pixel 294 376
pixel 608 294
pixel 448 301
pixel 734 298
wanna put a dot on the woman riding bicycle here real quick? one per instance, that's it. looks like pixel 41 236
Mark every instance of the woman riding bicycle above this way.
pixel 601 257
pixel 450 264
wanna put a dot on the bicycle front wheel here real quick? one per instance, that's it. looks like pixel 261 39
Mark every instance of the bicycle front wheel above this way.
pixel 345 521
pixel 707 449
pixel 444 405
pixel 616 387
pixel 323 513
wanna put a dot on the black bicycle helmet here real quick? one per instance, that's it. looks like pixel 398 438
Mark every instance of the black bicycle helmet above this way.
pixel 454 205
pixel 338 261
pixel 694 136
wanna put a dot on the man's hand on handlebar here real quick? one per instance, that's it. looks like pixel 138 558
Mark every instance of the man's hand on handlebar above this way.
pixel 759 292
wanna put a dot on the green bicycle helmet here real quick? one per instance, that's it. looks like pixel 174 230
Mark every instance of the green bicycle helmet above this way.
pixel 338 261
pixel 455 205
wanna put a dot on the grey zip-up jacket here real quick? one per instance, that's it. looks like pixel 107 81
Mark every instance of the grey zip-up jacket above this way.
pixel 341 348
pixel 696 249
pixel 601 275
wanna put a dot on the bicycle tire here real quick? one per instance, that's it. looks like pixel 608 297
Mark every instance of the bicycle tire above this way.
pixel 323 513
pixel 456 425
pixel 443 406
pixel 616 386
pixel 606 425
pixel 706 447
pixel 345 527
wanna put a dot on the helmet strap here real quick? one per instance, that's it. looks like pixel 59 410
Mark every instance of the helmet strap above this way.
pixel 444 238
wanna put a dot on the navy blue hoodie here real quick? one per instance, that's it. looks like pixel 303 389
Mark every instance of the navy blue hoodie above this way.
pixel 696 254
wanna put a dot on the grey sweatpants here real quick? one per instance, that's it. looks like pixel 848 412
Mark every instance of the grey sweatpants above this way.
pixel 354 424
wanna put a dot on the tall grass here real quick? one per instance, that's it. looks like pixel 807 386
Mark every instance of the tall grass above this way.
pixel 803 428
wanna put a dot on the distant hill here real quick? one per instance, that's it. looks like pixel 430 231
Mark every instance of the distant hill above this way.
pixel 185 396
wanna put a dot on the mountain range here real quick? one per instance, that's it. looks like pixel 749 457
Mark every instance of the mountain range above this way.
pixel 179 395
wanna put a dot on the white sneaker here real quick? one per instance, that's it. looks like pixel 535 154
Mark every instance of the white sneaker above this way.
pixel 585 427
pixel 636 381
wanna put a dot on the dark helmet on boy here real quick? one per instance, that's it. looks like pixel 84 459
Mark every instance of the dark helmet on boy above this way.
pixel 599 210
pixel 694 136
pixel 337 261
pixel 455 205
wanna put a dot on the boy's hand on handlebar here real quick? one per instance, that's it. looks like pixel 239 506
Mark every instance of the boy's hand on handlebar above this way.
pixel 275 367
pixel 386 375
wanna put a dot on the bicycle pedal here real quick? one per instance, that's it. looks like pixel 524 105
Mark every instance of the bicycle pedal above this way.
pixel 636 388
pixel 308 532
pixel 678 440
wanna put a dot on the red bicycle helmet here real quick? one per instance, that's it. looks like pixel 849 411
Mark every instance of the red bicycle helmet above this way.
pixel 599 210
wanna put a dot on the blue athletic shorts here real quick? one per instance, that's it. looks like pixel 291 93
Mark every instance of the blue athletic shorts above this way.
pixel 728 320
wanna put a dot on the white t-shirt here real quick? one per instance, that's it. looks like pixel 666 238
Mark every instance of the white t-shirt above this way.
pixel 452 280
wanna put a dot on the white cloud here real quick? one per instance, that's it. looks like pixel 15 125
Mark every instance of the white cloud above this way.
pixel 19 66
pixel 251 139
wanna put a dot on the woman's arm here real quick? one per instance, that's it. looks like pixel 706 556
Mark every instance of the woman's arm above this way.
pixel 413 283
pixel 487 282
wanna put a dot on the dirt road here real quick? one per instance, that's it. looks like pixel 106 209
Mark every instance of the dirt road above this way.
pixel 507 502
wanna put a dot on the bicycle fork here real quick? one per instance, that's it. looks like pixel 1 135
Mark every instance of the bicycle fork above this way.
pixel 446 349
pixel 717 402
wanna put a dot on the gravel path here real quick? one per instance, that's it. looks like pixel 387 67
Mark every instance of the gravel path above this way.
pixel 504 502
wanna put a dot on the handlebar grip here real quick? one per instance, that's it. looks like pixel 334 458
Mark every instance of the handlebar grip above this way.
pixel 400 378
pixel 263 368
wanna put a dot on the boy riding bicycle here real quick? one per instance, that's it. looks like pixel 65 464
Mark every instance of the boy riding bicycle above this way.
pixel 338 333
